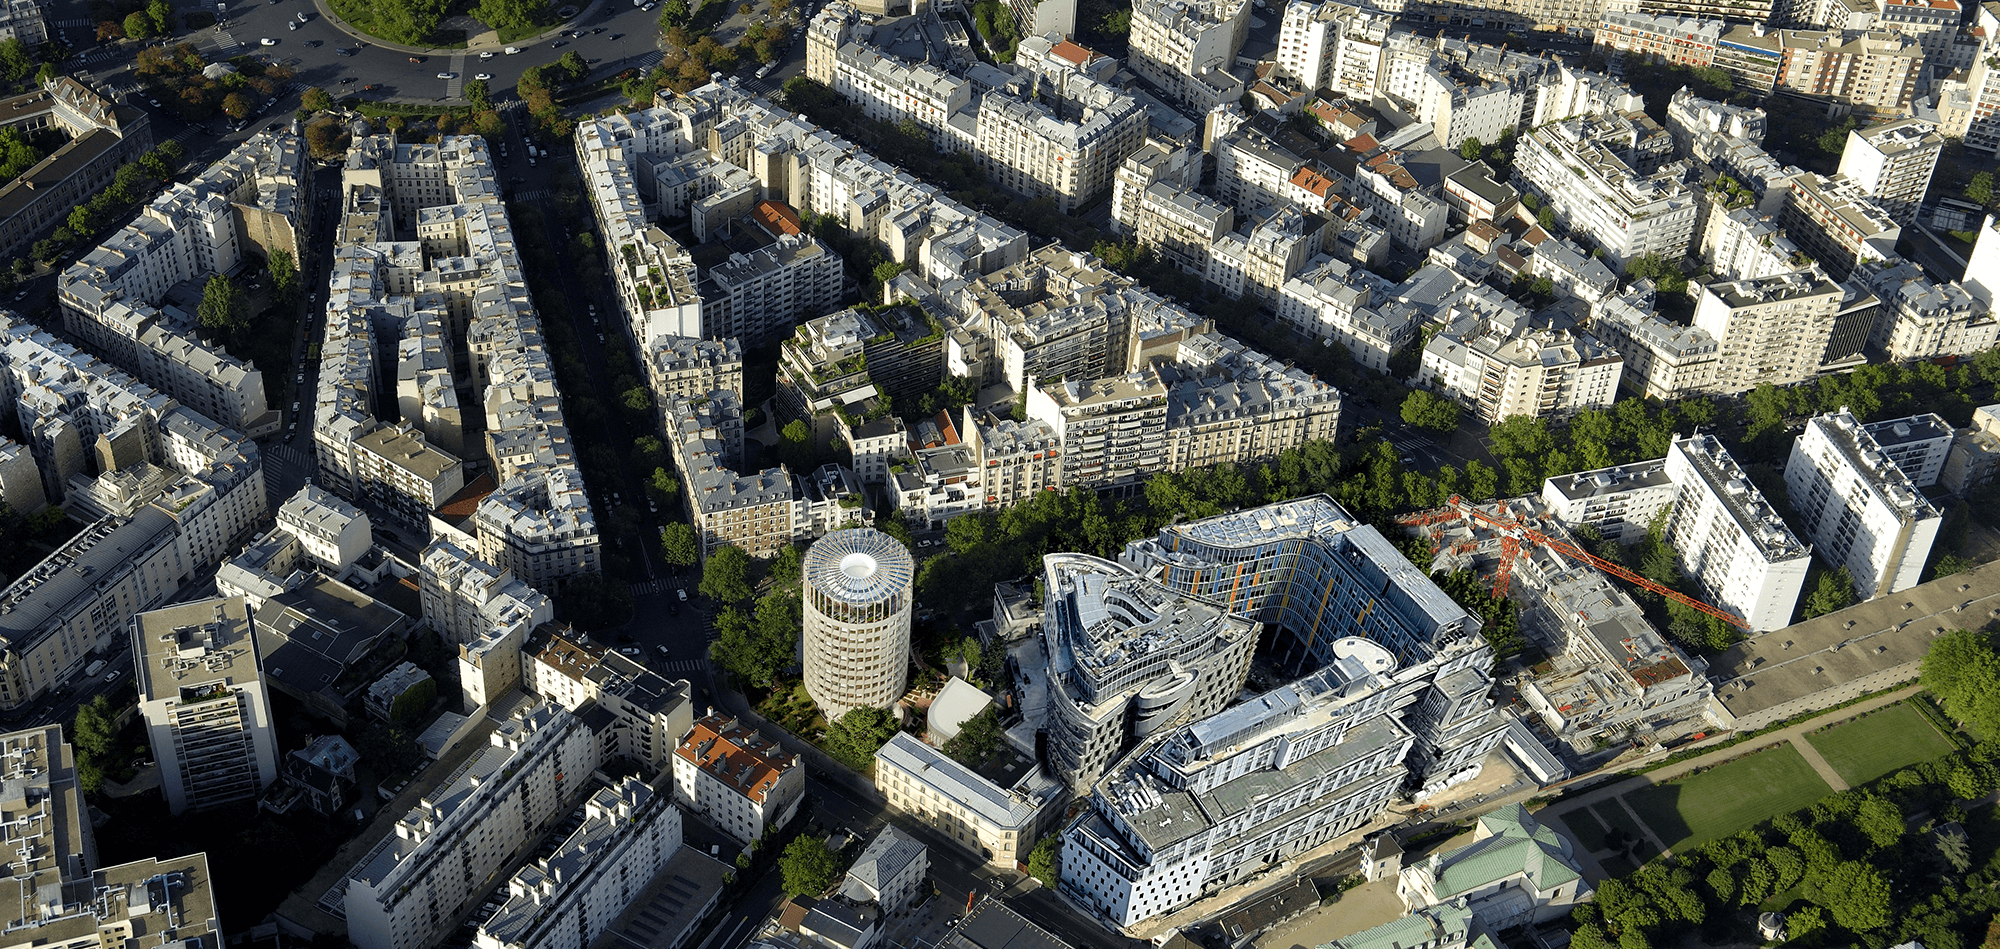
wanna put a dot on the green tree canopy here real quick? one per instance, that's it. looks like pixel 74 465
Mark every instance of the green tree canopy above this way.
pixel 1426 410
pixel 808 868
pixel 224 310
pixel 1042 860
pixel 854 738
pixel 315 100
pixel 138 25
pixel 284 275
pixel 679 544
pixel 1834 591
pixel 1963 671
pixel 978 738
pixel 511 14
pixel 477 93
pixel 1854 893
pixel 595 601
pixel 725 577
pixel 1470 149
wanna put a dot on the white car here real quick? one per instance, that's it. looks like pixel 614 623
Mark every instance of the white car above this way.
pixel 511 50
pixel 267 41
pixel 447 75
pixel 482 77
pixel 682 593
pixel 486 54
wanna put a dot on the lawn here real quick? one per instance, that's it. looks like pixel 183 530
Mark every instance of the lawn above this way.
pixel 1891 738
pixel 1728 797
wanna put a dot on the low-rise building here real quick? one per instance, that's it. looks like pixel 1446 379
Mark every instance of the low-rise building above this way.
pixel 1514 872
pixel 888 873
pixel 998 817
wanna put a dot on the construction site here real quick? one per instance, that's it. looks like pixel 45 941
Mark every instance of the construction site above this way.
pixel 1610 678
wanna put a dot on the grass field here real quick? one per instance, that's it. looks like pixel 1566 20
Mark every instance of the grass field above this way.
pixel 1867 748
pixel 1729 797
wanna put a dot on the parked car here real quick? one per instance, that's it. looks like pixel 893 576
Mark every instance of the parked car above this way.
pixel 482 77
pixel 485 54
pixel 681 594
pixel 267 41
pixel 511 50
pixel 447 75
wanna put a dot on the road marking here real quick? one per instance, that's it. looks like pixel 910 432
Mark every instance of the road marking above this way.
pixel 456 85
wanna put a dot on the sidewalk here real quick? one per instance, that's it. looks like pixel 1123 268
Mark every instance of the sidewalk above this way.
pixel 472 44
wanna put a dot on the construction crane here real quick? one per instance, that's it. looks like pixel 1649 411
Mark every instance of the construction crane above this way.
pixel 1514 533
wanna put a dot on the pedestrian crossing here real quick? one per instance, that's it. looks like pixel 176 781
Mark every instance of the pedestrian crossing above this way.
pixel 99 56
pixel 647 62
pixel 533 194
pixel 77 21
pixel 684 666
pixel 456 84
pixel 224 42
pixel 651 587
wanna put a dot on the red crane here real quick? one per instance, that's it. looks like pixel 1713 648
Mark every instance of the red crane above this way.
pixel 1513 533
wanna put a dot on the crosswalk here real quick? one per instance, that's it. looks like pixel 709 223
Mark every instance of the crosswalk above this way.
pixel 224 42
pixel 76 21
pixel 99 56
pixel 533 194
pixel 647 62
pixel 650 587
pixel 684 666
pixel 456 84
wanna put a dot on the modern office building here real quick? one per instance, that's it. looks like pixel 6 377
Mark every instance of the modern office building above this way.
pixel 741 781
pixel 1858 507
pixel 1729 539
pixel 1171 823
pixel 411 888
pixel 1308 569
pixel 858 600
pixel 202 693
pixel 1893 162
pixel 1129 658
pixel 570 898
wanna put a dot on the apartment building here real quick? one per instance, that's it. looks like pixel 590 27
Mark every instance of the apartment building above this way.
pixel 1414 212
pixel 1918 444
pixel 1922 319
pixel 1838 224
pixel 1876 71
pixel 646 713
pixel 1858 507
pixel 1742 244
pixel 1016 460
pixel 412 886
pixel 1771 330
pixel 1155 162
pixel 201 689
pixel 539 527
pixel 1113 429
pixel 1978 122
pixel 1729 539
pixel 332 532
pixel 1491 356
pixel 999 822
pixel 1619 502
pixel 1095 612
pixel 758 296
pixel 889 90
pixel 685 366
pixel 1663 359
pixel 1307 569
pixel 570 898
pixel 846 358
pixel 1892 162
pixel 757 512
pixel 1458 105
pixel 1624 201
pixel 1663 37
pixel 66 895
pixel 397 469
pixel 1185 48
pixel 654 274
pixel 466 599
pixel 741 781
pixel 1334 301
pixel 1067 146
pixel 1180 224
pixel 1309 42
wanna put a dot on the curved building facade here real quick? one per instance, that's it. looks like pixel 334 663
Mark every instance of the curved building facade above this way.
pixel 857 620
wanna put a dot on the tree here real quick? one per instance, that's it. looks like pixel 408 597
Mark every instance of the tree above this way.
pixel 477 94
pixel 595 601
pixel 1963 671
pixel 511 14
pixel 1546 217
pixel 1980 189
pixel 1879 820
pixel 1423 409
pixel 757 649
pixel 162 14
pixel 977 739
pixel 413 703
pixel 679 544
pixel 237 106
pixel 574 68
pixel 1666 275
pixel 855 737
pixel 724 576
pixel 1833 592
pixel 93 731
pixel 138 25
pixel 795 447
pixel 1470 149
pixel 1042 860
pixel 284 275
pixel 81 221
pixel 808 867
pixel 109 30
pixel 224 310
pixel 315 100
pixel 1855 894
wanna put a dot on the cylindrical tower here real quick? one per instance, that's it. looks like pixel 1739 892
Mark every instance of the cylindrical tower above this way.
pixel 857 620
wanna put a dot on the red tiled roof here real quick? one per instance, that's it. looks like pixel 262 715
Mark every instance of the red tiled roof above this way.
pixel 779 218
pixel 1313 181
pixel 1071 52
pixel 735 755
pixel 462 504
